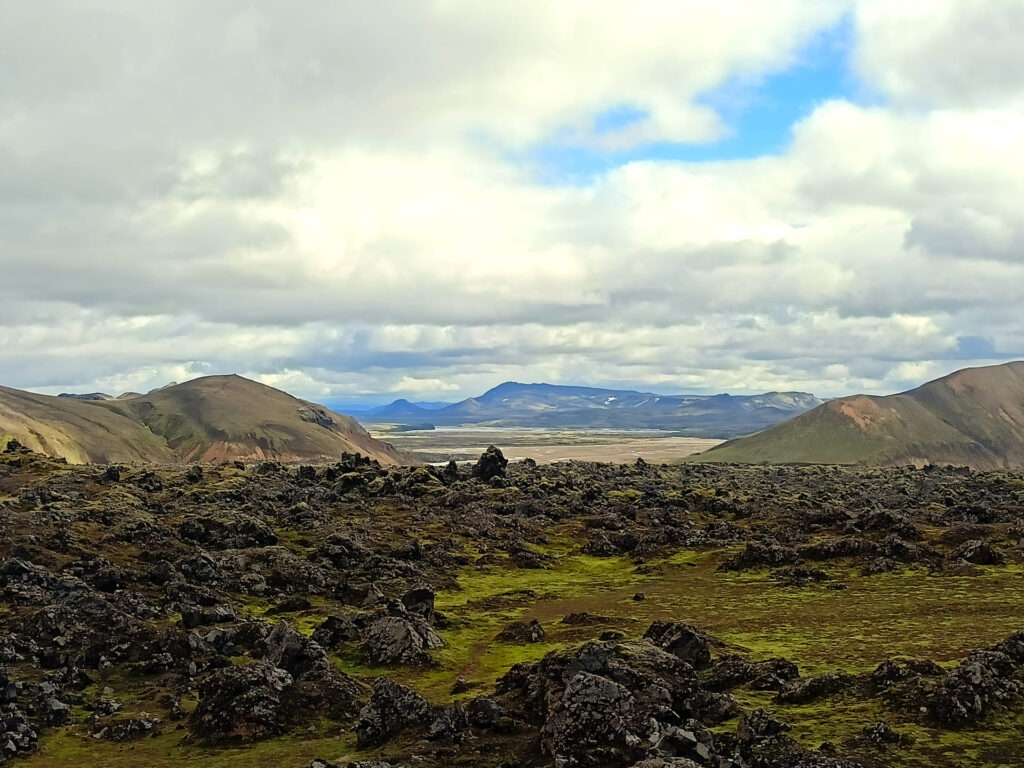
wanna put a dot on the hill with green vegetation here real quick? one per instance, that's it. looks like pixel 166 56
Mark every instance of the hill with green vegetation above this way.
pixel 211 419
pixel 973 418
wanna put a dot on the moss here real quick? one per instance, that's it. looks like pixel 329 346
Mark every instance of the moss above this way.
pixel 167 750
pixel 569 577
pixel 626 496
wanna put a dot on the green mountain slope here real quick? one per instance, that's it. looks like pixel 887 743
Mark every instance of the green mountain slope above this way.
pixel 212 419
pixel 974 417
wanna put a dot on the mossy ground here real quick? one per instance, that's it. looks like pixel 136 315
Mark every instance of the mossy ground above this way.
pixel 909 612
pixel 905 613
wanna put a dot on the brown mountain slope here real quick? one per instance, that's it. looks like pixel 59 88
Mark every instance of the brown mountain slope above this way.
pixel 974 418
pixel 212 419
pixel 76 430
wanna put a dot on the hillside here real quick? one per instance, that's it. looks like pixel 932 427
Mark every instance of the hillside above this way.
pixel 212 419
pixel 548 405
pixel 974 418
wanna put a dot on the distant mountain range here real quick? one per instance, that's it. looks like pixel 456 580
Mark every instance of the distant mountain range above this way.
pixel 549 405
pixel 211 419
pixel 974 418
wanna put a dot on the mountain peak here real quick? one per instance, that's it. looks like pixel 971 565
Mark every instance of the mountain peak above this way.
pixel 516 404
pixel 208 419
pixel 972 417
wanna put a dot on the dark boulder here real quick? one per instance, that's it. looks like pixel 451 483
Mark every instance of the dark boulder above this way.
pixel 979 683
pixel 344 551
pixel 19 737
pixel 485 713
pixel 290 605
pixel 451 724
pixel 681 640
pixel 420 482
pixel 193 616
pixel 759 726
pixel 296 654
pixel 732 671
pixel 420 602
pixel 335 631
pixel 392 708
pixel 491 464
pixel 710 707
pixel 242 704
pixel 892 671
pixel 760 555
pixel 607 702
pixel 977 552
pixel 808 689
pixel 123 730
pixel 879 736
pixel 595 716
pixel 519 632
pixel 26 583
pixel 228 531
pixel 450 473
pixel 848 546
pixel 392 639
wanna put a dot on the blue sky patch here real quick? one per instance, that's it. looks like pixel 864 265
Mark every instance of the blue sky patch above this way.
pixel 759 114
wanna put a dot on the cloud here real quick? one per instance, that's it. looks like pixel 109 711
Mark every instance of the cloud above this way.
pixel 333 199
pixel 943 53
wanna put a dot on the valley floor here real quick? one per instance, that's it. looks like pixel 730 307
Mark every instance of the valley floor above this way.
pixel 541 444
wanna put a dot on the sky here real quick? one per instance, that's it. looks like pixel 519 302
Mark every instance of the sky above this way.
pixel 356 201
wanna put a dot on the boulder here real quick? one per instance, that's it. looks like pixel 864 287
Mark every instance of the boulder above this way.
pixel 491 464
pixel 681 640
pixel 732 671
pixel 420 602
pixel 594 715
pixel 519 632
pixel 607 702
pixel 980 682
pixel 391 708
pixel 242 704
pixel 392 639
pixel 978 552
pixel 290 605
pixel 451 724
pixel 18 737
pixel 808 689
pixel 335 631
pixel 124 730
pixel 879 736
pixel 193 616
pixel 296 654
pixel 760 555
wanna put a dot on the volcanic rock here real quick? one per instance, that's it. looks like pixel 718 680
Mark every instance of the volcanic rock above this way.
pixel 391 708
pixel 681 640
pixel 242 704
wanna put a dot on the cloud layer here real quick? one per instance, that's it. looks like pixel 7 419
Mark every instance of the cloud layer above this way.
pixel 346 199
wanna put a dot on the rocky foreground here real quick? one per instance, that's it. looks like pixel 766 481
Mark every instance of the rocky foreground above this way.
pixel 267 614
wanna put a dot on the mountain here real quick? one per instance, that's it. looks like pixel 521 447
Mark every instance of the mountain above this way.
pixel 90 396
pixel 211 419
pixel 549 405
pixel 974 418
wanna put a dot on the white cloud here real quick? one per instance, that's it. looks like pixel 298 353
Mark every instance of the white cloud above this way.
pixel 963 53
pixel 336 202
